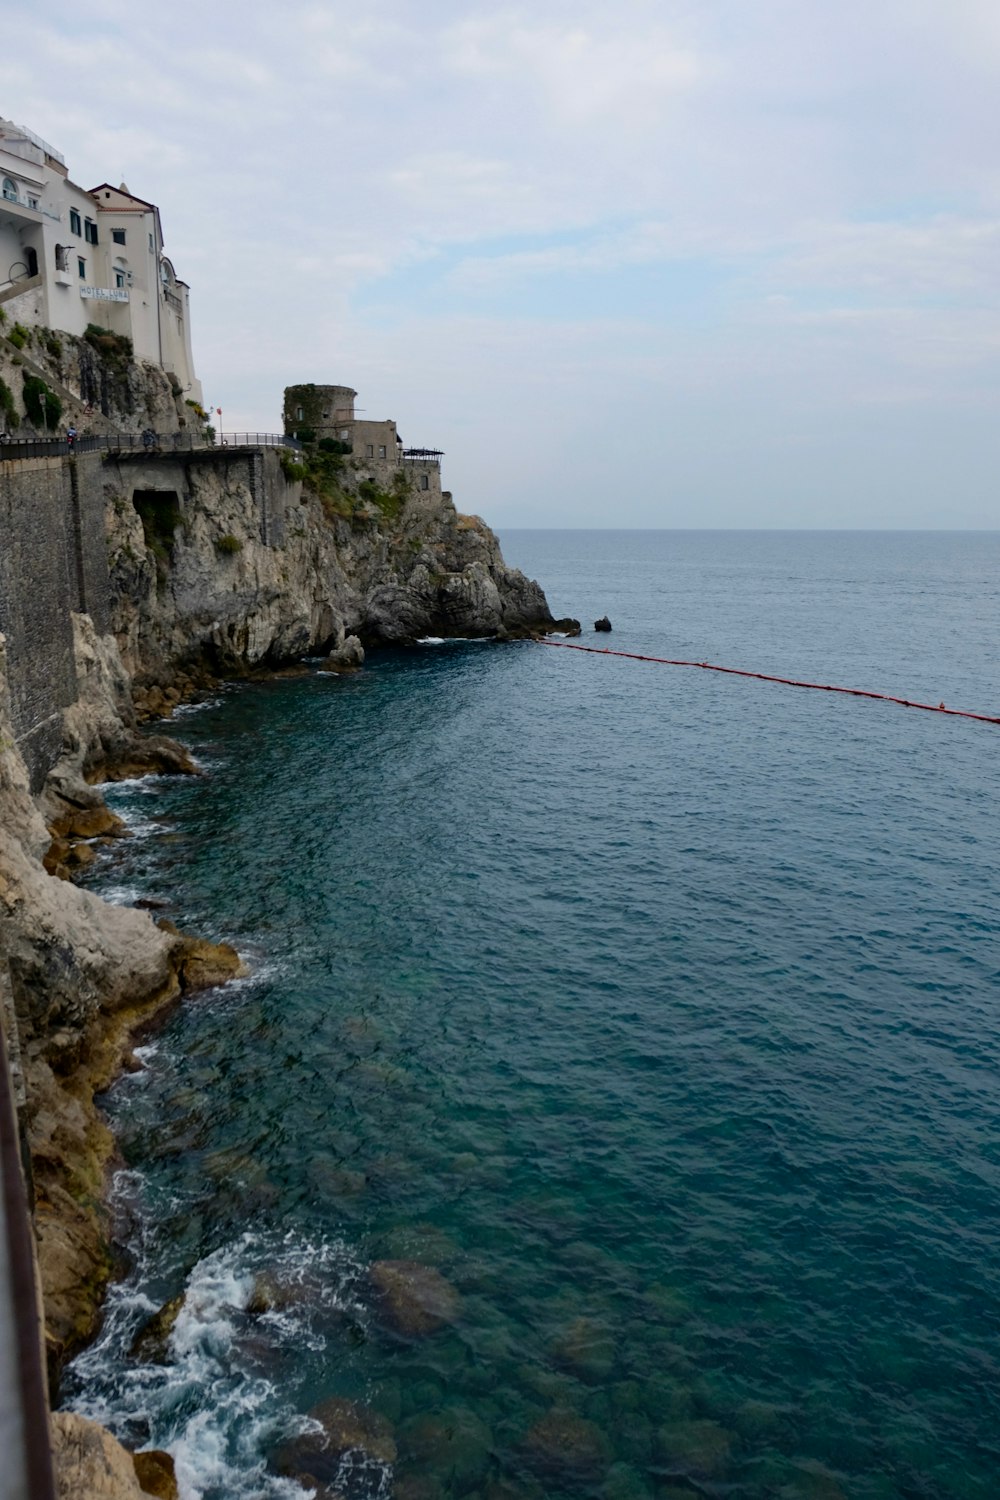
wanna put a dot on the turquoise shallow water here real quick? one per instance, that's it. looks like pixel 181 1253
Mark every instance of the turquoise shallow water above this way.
pixel 657 1011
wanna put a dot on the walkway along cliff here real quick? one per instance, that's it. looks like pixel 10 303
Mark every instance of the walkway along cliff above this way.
pixel 129 578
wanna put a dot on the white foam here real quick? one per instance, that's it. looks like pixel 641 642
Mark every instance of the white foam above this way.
pixel 209 1407
pixel 142 785
pixel 453 640
pixel 119 895
pixel 183 710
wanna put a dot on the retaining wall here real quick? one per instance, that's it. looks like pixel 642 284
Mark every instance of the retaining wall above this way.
pixel 52 560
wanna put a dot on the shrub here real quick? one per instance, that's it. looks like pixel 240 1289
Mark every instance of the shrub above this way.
pixel 333 445
pixel 293 470
pixel 389 502
pixel 115 346
pixel 197 408
pixel 43 406
pixel 54 346
pixel 19 335
pixel 228 544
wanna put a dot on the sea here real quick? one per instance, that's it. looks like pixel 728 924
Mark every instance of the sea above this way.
pixel 648 1016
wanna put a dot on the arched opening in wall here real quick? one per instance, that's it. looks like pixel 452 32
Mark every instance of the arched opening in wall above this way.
pixel 31 260
pixel 160 513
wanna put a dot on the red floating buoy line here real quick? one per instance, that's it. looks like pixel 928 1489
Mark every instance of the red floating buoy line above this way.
pixel 818 687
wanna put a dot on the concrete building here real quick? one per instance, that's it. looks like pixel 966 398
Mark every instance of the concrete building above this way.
pixel 71 257
pixel 327 411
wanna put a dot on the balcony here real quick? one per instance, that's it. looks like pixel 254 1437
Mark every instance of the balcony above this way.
pixel 423 455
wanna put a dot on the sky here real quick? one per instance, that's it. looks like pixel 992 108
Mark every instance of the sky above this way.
pixel 656 263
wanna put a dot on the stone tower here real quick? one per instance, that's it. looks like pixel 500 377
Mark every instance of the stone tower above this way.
pixel 322 410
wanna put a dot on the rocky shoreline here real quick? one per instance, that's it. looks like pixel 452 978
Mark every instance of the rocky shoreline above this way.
pixel 85 976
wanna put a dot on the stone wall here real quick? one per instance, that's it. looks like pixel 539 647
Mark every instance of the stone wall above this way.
pixel 53 559
pixel 38 577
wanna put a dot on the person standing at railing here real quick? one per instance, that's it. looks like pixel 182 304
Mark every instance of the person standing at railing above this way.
pixel 71 437
pixel 148 439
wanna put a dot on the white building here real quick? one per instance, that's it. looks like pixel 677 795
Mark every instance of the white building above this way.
pixel 71 257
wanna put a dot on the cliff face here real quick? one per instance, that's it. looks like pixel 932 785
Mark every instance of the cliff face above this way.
pixel 99 386
pixel 80 972
pixel 232 564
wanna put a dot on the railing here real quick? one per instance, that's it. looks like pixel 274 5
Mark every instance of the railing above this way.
pixel 423 455
pixel 255 440
pixel 137 442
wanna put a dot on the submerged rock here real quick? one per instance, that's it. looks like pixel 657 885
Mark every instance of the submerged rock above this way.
pixel 566 1448
pixel 697 1448
pixel 603 624
pixel 415 1299
pixel 151 1344
pixel 586 1349
pixel 453 1444
pixel 274 1293
pixel 342 1426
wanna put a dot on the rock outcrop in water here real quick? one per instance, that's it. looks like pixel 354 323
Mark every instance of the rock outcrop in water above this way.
pixel 227 567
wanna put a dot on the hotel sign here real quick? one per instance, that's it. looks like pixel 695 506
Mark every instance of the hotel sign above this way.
pixel 104 293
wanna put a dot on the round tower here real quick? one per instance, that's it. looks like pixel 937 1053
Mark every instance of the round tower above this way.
pixel 322 410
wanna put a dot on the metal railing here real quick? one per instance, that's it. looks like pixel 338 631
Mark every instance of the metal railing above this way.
pixel 137 442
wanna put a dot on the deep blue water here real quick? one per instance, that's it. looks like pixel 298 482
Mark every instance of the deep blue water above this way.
pixel 656 1010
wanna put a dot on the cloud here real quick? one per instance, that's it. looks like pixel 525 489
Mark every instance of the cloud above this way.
pixel 581 73
pixel 753 229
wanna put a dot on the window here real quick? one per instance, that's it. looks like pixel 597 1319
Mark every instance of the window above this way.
pixel 32 202
pixel 152 247
pixel 118 235
pixel 425 482
pixel 381 450
pixel 90 232
pixel 369 450
pixel 75 222
pixel 10 190
pixel 120 278
pixel 300 412
pixel 81 267
pixel 62 257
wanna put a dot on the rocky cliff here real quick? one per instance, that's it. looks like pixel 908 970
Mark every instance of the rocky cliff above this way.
pixel 92 382
pixel 225 564
pixel 81 975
